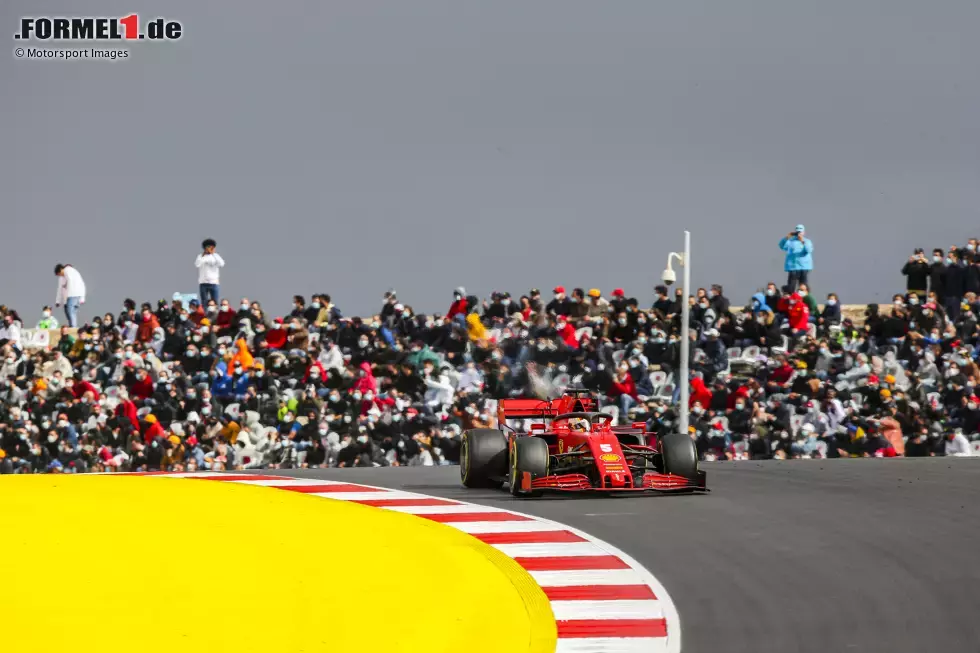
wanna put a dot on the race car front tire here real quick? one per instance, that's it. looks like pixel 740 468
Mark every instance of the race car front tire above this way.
pixel 530 454
pixel 679 455
pixel 483 458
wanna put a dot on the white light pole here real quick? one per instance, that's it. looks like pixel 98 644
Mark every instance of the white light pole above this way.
pixel 669 277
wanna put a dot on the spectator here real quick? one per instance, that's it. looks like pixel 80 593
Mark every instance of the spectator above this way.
pixel 47 321
pixel 209 264
pixel 799 257
pixel 954 283
pixel 71 291
pixel 917 271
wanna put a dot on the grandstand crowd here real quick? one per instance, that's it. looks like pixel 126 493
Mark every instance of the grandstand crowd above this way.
pixel 207 382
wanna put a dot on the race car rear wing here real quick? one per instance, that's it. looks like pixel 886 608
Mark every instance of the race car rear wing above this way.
pixel 544 409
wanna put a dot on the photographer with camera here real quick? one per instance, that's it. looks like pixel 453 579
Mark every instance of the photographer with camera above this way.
pixel 799 257
pixel 209 264
pixel 916 271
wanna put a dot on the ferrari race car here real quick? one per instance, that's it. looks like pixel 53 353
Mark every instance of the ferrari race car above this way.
pixel 571 447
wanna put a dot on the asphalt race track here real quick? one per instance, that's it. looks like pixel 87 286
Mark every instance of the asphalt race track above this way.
pixel 786 556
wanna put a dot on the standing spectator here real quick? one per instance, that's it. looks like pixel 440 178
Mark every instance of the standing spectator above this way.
pixel 916 271
pixel 799 257
pixel 209 264
pixel 954 284
pixel 71 291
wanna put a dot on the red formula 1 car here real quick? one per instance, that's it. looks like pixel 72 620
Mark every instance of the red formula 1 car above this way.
pixel 571 447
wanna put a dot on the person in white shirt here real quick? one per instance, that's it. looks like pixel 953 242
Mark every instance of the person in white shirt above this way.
pixel 71 291
pixel 957 445
pixel 209 264
pixel 10 331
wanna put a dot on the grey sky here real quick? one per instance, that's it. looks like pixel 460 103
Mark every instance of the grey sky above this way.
pixel 425 144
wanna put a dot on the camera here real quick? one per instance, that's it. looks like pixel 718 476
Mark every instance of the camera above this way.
pixel 668 277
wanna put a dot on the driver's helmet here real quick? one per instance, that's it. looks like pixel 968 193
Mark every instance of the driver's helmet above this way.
pixel 578 424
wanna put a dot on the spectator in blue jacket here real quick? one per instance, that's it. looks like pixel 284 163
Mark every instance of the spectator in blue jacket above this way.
pixel 799 257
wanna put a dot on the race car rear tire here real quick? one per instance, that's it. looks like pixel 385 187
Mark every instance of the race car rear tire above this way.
pixel 483 458
pixel 679 455
pixel 530 454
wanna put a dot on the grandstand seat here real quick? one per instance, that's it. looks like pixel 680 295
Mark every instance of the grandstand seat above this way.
pixel 796 422
pixel 751 353
pixel 658 379
pixel 584 331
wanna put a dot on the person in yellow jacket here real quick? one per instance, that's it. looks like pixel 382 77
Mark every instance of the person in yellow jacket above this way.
pixel 173 454
pixel 475 328
pixel 230 431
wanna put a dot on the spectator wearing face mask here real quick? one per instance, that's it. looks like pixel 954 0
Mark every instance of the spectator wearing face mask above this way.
pixel 460 308
pixel 719 303
pixel 916 271
pixel 831 312
pixel 954 284
pixel 147 326
pixel 560 304
pixel 810 301
pixel 797 313
pixel 799 257
pixel 47 320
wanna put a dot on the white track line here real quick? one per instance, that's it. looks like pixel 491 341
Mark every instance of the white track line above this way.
pixel 587 577
pixel 487 527
pixel 565 610
pixel 550 549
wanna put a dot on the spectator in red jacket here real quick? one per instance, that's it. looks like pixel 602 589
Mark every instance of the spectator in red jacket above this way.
pixel 127 409
pixel 567 333
pixel 315 370
pixel 781 375
pixel 141 386
pixel 796 310
pixel 226 318
pixel 196 313
pixel 79 388
pixel 365 380
pixel 154 430
pixel 623 390
pixel 148 324
pixel 276 337
pixel 699 393
pixel 458 307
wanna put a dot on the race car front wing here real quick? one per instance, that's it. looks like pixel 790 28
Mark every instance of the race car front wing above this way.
pixel 651 482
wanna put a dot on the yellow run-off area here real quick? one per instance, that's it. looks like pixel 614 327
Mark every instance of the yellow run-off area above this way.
pixel 130 563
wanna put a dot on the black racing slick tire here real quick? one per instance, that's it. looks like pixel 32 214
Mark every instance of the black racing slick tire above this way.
pixel 680 456
pixel 483 458
pixel 530 455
